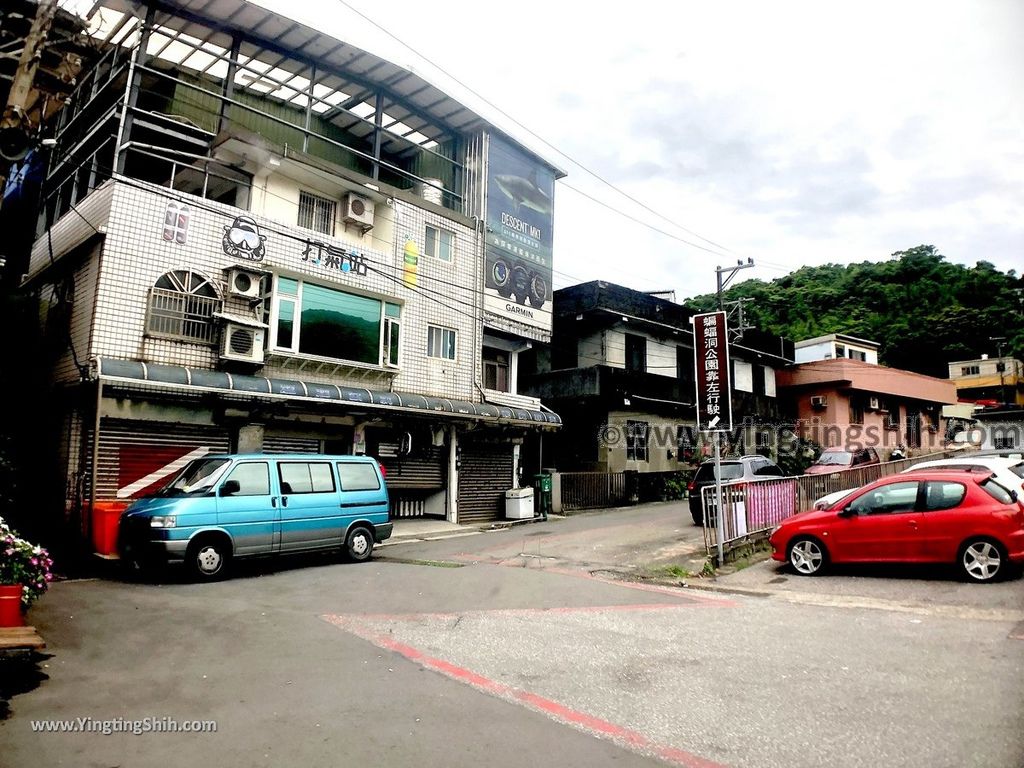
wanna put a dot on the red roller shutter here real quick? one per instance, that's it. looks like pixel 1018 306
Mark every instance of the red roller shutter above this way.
pixel 139 456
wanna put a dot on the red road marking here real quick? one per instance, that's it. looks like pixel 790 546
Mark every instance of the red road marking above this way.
pixel 622 736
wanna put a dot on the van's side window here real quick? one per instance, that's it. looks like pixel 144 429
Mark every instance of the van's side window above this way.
pixel 253 479
pixel 357 476
pixel 306 477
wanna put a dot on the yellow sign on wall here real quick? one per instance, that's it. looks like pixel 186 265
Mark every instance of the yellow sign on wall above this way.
pixel 411 262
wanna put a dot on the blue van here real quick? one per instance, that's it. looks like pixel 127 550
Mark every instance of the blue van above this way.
pixel 225 506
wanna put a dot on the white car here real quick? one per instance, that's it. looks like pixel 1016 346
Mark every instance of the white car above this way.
pixel 1009 473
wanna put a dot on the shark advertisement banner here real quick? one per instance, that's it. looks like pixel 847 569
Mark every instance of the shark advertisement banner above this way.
pixel 520 217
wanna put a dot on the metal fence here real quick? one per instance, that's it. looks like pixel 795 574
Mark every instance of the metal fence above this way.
pixel 753 507
pixel 587 490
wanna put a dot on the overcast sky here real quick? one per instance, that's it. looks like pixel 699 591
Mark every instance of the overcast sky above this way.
pixel 792 133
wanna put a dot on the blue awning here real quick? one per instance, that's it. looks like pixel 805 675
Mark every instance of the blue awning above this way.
pixel 175 377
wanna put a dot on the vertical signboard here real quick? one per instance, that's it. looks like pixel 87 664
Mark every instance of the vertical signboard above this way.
pixel 518 250
pixel 714 388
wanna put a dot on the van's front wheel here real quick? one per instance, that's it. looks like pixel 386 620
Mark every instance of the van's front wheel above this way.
pixel 359 544
pixel 207 559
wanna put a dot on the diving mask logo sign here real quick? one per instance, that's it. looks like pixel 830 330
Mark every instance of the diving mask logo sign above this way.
pixel 520 215
pixel 243 240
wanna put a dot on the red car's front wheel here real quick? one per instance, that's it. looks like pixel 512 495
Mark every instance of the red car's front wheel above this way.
pixel 807 556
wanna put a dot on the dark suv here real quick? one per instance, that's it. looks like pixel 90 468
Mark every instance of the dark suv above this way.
pixel 733 469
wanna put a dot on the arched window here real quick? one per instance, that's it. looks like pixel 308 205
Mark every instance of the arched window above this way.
pixel 181 306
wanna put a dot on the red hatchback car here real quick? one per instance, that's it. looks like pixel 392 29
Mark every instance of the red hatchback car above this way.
pixel 928 516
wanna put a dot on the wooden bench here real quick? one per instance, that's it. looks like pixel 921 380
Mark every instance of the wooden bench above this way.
pixel 20 639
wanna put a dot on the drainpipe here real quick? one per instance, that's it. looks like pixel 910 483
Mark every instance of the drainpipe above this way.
pixel 95 456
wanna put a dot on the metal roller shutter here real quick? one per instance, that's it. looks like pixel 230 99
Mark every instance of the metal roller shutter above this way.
pixel 426 470
pixel 138 456
pixel 290 444
pixel 485 475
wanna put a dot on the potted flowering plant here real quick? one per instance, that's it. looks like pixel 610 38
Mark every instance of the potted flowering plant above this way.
pixel 24 575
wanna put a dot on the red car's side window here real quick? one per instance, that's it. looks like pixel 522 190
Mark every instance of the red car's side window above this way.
pixel 940 495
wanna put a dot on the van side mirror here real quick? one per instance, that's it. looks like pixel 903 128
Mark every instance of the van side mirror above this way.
pixel 230 488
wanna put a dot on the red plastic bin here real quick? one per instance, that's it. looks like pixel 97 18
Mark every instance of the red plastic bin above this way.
pixel 105 518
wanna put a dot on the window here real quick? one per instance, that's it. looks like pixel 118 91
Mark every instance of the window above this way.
pixel 496 369
pixel 943 495
pixel 357 477
pixel 392 335
pixel 636 353
pixel 856 354
pixel 636 441
pixel 181 306
pixel 769 381
pixel 840 351
pixel 891 409
pixel 312 319
pixel 743 376
pixel 895 497
pixel 996 491
pixel 769 469
pixel 856 410
pixel 438 243
pixel 970 370
pixel 306 477
pixel 440 342
pixel 684 368
pixel 253 479
pixel 316 213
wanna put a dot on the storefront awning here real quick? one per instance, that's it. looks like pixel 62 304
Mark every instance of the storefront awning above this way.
pixel 174 377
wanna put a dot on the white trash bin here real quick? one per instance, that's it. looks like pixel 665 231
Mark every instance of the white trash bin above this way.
pixel 519 503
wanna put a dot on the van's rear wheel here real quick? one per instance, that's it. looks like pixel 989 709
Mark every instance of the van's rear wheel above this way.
pixel 359 544
pixel 207 559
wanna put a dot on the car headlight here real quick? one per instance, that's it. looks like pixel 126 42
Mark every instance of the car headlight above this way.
pixel 162 521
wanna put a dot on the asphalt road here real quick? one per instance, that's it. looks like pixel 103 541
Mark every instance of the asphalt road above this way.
pixel 525 647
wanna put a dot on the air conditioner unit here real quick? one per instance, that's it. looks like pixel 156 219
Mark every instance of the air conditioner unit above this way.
pixel 818 401
pixel 241 343
pixel 358 210
pixel 874 404
pixel 245 283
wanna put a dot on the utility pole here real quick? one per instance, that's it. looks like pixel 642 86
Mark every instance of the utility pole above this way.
pixel 15 127
pixel 1000 366
pixel 730 273
pixel 737 317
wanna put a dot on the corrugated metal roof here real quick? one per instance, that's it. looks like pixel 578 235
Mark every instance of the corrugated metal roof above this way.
pixel 415 108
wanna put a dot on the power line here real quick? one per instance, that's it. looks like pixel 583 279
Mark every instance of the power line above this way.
pixel 575 162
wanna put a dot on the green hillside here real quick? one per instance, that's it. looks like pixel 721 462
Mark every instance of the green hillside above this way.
pixel 923 310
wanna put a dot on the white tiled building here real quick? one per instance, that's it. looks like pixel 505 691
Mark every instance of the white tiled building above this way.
pixel 256 247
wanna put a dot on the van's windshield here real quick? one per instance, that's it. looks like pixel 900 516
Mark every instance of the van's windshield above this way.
pixel 197 478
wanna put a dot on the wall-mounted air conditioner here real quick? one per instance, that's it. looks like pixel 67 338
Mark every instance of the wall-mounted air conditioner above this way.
pixel 818 401
pixel 245 283
pixel 874 404
pixel 241 343
pixel 358 210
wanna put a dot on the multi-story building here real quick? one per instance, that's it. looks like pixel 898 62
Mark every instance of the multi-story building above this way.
pixel 989 380
pixel 621 373
pixel 258 237
pixel 836 346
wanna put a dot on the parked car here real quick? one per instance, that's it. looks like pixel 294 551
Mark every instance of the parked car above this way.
pixel 231 506
pixel 742 468
pixel 835 459
pixel 952 516
pixel 1009 472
